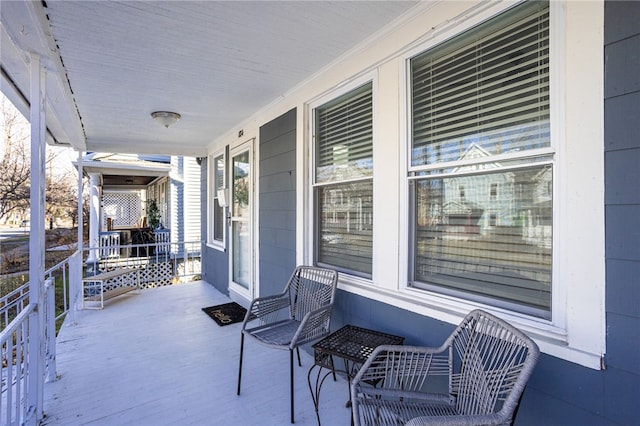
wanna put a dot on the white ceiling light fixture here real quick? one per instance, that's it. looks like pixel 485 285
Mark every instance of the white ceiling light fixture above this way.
pixel 166 118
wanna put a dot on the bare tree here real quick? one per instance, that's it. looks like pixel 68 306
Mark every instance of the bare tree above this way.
pixel 15 161
pixel 61 197
pixel 15 171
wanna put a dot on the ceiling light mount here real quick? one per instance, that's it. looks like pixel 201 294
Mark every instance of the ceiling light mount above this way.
pixel 166 118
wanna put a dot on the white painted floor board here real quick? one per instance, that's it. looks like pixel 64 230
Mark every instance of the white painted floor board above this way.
pixel 156 359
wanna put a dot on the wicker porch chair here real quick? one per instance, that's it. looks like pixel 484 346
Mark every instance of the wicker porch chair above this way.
pixel 299 315
pixel 483 367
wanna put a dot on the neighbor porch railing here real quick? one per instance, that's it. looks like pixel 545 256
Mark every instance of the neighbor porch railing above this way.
pixel 116 244
pixel 159 264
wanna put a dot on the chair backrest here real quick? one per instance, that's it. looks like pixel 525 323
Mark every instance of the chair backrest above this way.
pixel 311 288
pixel 492 363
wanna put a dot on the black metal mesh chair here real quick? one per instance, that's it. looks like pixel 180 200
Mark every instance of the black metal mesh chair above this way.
pixel 486 363
pixel 299 315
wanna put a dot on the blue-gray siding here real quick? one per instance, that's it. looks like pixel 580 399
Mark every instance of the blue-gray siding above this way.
pixel 277 218
pixel 277 211
pixel 215 263
pixel 621 384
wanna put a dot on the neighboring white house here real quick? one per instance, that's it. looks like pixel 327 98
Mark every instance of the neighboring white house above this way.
pixel 125 184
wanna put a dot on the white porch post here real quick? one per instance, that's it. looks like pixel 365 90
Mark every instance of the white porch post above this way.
pixel 75 286
pixel 94 220
pixel 80 202
pixel 36 243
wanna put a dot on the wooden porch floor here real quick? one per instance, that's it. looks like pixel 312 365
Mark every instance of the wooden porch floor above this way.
pixel 156 359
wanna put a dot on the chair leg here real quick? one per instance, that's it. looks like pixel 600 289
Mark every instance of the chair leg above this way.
pixel 291 379
pixel 299 362
pixel 333 370
pixel 240 365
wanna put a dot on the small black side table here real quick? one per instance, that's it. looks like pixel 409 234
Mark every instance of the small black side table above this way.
pixel 352 344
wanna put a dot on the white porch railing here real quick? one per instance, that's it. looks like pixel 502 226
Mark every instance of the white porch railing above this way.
pixel 27 347
pixel 27 339
pixel 17 364
pixel 28 360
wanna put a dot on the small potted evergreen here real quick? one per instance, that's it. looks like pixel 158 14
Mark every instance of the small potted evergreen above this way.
pixel 153 214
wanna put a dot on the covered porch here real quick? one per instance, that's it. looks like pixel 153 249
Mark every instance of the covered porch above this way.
pixel 155 358
pixel 248 81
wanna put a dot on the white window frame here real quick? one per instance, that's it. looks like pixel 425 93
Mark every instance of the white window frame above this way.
pixel 576 331
pixel 354 83
pixel 211 197
pixel 538 158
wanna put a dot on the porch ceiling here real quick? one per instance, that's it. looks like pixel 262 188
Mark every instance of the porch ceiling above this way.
pixel 214 62
pixel 126 170
pixel 126 181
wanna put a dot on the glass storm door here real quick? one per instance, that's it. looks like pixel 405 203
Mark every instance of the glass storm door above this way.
pixel 241 260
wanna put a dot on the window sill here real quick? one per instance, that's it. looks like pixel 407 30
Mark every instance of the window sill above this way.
pixel 216 246
pixel 552 340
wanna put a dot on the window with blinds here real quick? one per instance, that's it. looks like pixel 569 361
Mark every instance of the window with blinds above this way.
pixel 218 209
pixel 343 188
pixel 482 227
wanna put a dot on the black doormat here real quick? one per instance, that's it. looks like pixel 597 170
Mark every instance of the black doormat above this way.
pixel 227 313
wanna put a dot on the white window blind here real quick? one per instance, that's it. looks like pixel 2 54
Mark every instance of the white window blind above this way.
pixel 488 87
pixel 483 229
pixel 344 131
pixel 343 182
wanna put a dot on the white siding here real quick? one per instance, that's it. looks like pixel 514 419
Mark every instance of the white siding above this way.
pixel 177 189
pixel 185 199
pixel 192 213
